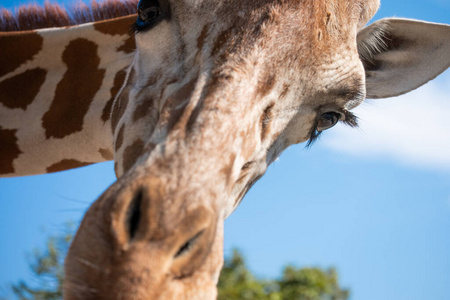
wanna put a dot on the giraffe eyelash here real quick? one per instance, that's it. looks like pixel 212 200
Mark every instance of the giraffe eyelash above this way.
pixel 150 13
pixel 136 28
pixel 313 137
pixel 349 119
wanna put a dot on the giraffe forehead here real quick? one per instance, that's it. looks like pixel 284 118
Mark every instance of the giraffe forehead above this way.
pixel 261 58
pixel 291 30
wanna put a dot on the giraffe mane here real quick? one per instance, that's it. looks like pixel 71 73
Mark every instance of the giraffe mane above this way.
pixel 33 16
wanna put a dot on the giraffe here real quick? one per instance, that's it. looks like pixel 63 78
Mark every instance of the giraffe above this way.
pixel 205 105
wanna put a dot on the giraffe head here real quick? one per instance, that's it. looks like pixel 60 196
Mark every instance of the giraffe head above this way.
pixel 217 90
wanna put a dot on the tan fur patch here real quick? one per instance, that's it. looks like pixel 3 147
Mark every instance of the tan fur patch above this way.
pixel 75 92
pixel 19 91
pixel 22 47
pixel 132 153
pixel 9 150
pixel 66 164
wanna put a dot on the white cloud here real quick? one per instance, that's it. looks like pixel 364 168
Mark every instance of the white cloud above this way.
pixel 413 129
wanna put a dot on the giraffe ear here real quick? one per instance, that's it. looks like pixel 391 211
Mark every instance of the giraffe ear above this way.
pixel 399 55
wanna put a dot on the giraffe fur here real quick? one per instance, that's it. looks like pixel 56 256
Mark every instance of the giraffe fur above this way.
pixel 193 107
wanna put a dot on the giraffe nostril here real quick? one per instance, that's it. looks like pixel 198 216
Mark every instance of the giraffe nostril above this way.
pixel 134 215
pixel 188 245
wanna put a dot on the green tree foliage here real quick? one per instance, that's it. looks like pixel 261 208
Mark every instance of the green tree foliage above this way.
pixel 236 281
pixel 48 269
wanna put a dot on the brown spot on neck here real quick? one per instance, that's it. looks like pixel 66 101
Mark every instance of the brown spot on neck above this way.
pixel 121 103
pixel 132 153
pixel 18 48
pixel 9 150
pixel 128 46
pixel 119 79
pixel 118 111
pixel 106 153
pixel 202 37
pixel 76 91
pixel 20 91
pixel 66 164
pixel 144 109
pixel 119 140
pixel 174 107
pixel 222 38
pixel 118 26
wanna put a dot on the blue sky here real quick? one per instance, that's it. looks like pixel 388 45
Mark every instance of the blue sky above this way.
pixel 372 202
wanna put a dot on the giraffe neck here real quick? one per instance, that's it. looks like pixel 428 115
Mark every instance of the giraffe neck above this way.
pixel 57 87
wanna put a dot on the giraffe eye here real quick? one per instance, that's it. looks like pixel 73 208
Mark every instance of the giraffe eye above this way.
pixel 327 120
pixel 148 13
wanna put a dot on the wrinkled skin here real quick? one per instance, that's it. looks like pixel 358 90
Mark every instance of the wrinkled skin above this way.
pixel 217 90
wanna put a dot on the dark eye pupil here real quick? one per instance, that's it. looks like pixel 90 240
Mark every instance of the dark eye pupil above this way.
pixel 148 13
pixel 148 10
pixel 327 120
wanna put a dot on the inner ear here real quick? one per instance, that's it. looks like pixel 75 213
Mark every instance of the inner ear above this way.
pixel 379 42
pixel 399 55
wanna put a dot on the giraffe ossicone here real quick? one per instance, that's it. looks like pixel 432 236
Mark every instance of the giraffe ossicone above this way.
pixel 193 106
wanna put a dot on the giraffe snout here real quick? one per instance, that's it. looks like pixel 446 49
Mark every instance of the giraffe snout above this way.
pixel 146 240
